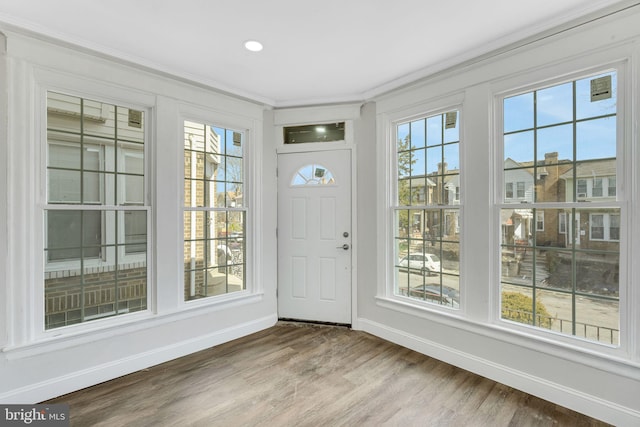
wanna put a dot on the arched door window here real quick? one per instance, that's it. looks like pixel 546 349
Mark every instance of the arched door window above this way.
pixel 312 175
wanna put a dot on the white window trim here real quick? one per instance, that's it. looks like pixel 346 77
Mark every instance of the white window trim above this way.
pixel 47 81
pixel 539 219
pixel 606 224
pixel 602 187
pixel 524 190
pixel 562 221
pixel 550 76
pixel 387 133
pixel 506 191
pixel 252 203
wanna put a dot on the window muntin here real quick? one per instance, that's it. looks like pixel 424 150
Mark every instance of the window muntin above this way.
pixel 565 277
pixel 214 211
pixel 426 211
pixel 95 254
pixel 312 175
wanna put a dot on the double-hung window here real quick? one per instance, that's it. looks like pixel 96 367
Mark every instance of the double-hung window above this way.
pixel 96 214
pixel 562 140
pixel 427 209
pixel 214 211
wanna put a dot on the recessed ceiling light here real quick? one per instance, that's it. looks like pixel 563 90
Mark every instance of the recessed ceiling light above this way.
pixel 253 46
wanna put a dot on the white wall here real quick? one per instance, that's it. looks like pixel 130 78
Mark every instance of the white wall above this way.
pixel 596 381
pixel 602 386
pixel 34 365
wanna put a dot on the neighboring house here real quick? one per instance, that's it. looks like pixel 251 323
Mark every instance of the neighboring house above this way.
pixel 518 182
pixel 519 226
pixel 593 181
pixel 440 189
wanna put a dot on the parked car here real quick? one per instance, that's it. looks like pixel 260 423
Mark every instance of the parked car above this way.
pixel 421 263
pixel 432 294
pixel 237 236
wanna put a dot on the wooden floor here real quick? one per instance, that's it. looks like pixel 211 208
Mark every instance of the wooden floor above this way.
pixel 310 375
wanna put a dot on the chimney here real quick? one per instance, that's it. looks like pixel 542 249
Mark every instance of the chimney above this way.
pixel 442 167
pixel 551 158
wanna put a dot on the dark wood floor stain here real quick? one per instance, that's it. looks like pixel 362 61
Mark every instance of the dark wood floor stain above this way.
pixel 308 375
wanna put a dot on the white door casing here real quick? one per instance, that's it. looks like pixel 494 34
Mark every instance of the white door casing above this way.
pixel 314 236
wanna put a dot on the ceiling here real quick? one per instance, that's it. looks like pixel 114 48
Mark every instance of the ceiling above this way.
pixel 315 52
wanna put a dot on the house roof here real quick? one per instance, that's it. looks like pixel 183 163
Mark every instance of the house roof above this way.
pixel 593 168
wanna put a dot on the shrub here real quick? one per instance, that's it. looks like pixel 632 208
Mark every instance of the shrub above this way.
pixel 519 308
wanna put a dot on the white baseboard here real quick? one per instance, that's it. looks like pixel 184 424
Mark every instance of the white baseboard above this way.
pixel 540 387
pixel 55 387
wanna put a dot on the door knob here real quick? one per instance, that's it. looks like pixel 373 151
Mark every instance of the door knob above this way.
pixel 345 247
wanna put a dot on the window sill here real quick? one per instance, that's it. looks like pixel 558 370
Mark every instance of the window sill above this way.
pixel 98 330
pixel 531 340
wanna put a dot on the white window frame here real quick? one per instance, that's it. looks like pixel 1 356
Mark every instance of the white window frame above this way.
pixel 114 95
pixel 584 194
pixel 539 221
pixel 251 203
pixel 562 223
pixel 386 292
pixel 508 189
pixel 549 77
pixel 600 187
pixel 609 187
pixel 606 225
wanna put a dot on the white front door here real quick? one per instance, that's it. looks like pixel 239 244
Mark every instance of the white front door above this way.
pixel 314 236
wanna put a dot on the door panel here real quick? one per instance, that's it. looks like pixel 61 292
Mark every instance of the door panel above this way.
pixel 314 213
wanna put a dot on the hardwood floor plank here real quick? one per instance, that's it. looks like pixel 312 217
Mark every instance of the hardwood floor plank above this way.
pixel 310 375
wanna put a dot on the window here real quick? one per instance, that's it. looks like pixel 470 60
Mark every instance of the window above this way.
pixel 603 226
pixel 563 278
pixel 314 133
pixel 214 212
pixel 611 189
pixel 96 215
pixel 539 221
pixel 520 190
pixel 312 175
pixel 427 209
pixel 614 227
pixel 582 188
pixel 509 190
pixel 597 226
pixel 562 223
pixel 597 188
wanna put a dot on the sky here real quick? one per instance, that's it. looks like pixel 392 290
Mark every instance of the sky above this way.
pixel 595 137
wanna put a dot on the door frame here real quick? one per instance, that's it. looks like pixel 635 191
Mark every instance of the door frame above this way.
pixel 333 146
